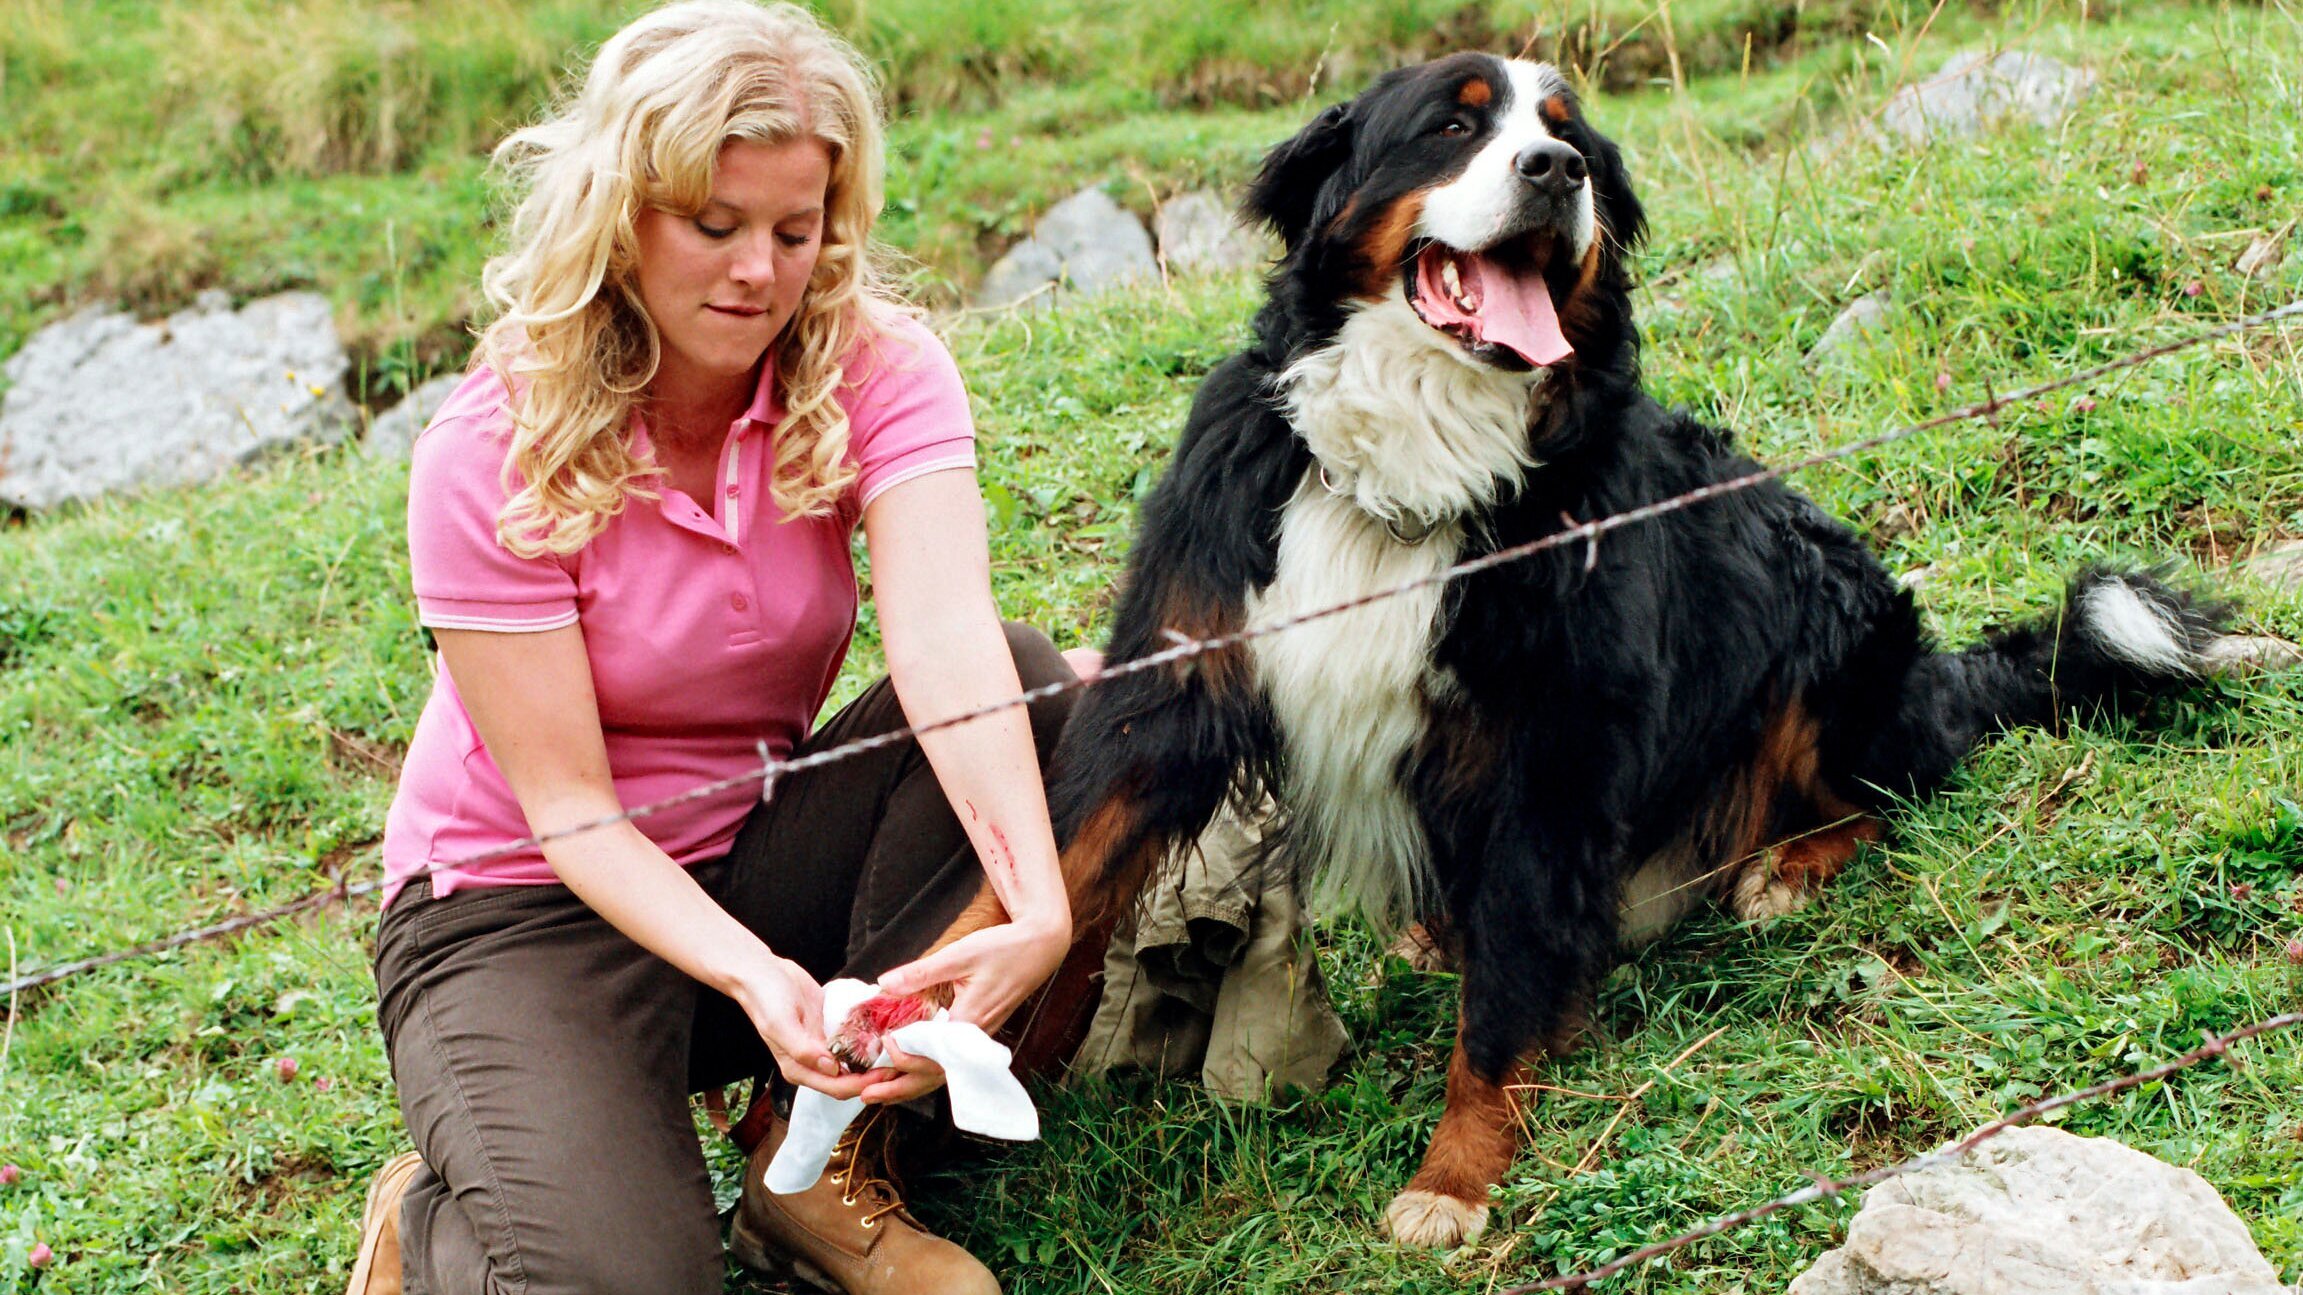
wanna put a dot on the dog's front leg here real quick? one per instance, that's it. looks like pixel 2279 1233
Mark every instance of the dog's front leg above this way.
pixel 1445 1205
pixel 1538 932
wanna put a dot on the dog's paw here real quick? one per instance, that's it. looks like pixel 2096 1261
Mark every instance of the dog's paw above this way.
pixel 1760 896
pixel 1429 1219
pixel 856 1046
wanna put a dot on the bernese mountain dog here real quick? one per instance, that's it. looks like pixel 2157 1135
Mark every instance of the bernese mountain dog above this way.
pixel 1551 759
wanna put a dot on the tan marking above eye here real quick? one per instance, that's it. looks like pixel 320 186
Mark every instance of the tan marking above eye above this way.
pixel 1556 108
pixel 1475 94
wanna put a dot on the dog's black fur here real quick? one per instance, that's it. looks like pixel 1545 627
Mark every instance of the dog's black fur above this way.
pixel 1610 705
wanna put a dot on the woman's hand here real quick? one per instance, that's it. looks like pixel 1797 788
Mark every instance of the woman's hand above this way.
pixel 786 1006
pixel 992 971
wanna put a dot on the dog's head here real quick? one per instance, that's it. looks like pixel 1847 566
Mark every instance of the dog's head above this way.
pixel 1472 187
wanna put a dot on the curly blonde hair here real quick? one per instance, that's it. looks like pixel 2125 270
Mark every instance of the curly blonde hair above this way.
pixel 573 345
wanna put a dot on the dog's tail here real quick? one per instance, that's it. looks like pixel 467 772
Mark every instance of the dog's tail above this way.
pixel 2120 638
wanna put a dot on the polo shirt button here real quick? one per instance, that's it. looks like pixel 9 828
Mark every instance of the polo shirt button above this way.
pixel 731 492
pixel 728 549
pixel 739 602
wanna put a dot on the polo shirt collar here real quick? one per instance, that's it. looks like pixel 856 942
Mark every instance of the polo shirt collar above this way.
pixel 765 409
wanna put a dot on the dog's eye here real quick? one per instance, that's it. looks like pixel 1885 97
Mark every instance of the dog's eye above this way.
pixel 1454 127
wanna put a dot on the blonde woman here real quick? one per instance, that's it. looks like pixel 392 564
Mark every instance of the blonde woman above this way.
pixel 629 530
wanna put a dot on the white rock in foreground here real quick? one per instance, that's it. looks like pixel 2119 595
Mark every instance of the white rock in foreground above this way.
pixel 99 403
pixel 2037 1211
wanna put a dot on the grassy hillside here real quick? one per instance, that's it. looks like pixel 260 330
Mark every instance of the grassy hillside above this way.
pixel 202 692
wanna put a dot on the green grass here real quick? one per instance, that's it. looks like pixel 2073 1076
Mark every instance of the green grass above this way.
pixel 156 148
pixel 201 693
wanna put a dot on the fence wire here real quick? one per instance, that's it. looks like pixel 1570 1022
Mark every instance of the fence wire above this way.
pixel 1587 533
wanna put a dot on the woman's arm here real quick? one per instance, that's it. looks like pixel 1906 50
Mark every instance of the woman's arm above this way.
pixel 530 696
pixel 931 579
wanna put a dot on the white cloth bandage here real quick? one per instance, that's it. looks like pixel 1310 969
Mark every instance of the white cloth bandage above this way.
pixel 986 1096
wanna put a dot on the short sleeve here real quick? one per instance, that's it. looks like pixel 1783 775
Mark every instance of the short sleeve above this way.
pixel 908 415
pixel 464 578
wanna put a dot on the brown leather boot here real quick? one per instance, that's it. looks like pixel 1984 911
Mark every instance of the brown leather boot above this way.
pixel 377 1269
pixel 850 1233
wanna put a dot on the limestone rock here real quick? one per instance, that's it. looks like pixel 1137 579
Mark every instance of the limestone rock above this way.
pixel 1083 245
pixel 393 433
pixel 100 403
pixel 1865 317
pixel 1975 89
pixel 2037 1211
pixel 1198 234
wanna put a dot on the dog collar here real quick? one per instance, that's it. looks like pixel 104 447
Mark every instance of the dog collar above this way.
pixel 1411 530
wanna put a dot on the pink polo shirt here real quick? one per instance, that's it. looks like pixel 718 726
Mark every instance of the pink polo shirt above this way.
pixel 712 625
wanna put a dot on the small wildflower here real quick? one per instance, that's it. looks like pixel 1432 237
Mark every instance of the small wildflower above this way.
pixel 2295 952
pixel 2140 175
pixel 2242 891
pixel 41 1255
pixel 2085 404
pixel 287 1067
pixel 984 141
pixel 1943 382
pixel 63 887
pixel 317 390
pixel 2194 288
pixel 323 1083
pixel 9 1174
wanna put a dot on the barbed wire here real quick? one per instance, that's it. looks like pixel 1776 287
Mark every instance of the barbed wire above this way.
pixel 1587 533
pixel 1823 1188
pixel 334 894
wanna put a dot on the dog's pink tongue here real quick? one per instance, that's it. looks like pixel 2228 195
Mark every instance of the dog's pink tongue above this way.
pixel 1515 311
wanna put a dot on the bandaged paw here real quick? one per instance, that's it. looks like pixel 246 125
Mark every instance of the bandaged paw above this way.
pixel 985 1095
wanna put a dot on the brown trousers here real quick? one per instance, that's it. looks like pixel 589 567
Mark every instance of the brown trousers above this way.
pixel 544 1061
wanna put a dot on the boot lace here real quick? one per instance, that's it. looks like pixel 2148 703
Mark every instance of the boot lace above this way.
pixel 849 1175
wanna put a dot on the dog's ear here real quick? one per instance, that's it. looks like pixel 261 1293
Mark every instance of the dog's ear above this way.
pixel 1285 194
pixel 1619 207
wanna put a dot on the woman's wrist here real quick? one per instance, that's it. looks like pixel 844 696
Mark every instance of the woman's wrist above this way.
pixel 1052 924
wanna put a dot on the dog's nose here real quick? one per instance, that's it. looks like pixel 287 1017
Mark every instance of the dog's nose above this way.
pixel 1551 166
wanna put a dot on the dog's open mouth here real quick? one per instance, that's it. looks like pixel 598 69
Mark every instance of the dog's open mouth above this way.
pixel 1495 303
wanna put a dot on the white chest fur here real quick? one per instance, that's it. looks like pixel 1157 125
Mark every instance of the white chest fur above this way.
pixel 1404 421
pixel 1350 693
pixel 1408 429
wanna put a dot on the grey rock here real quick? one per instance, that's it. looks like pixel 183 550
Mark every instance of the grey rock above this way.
pixel 2280 566
pixel 1975 89
pixel 2037 1211
pixel 1866 317
pixel 1101 243
pixel 1092 244
pixel 1198 234
pixel 100 403
pixel 394 432
pixel 1029 275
